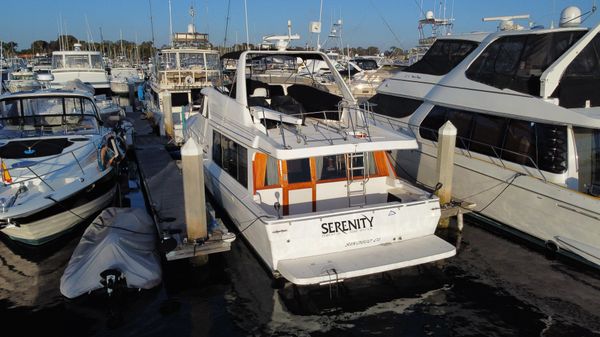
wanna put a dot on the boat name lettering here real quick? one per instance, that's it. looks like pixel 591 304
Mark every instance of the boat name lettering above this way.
pixel 346 225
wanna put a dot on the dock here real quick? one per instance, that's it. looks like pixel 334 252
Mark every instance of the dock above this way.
pixel 162 180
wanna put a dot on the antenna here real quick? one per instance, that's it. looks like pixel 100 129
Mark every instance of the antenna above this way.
pixel 226 24
pixel 151 22
pixel 170 25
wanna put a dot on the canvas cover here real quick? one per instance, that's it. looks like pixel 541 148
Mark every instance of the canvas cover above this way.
pixel 118 238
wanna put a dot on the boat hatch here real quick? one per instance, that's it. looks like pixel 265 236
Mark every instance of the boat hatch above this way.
pixel 335 267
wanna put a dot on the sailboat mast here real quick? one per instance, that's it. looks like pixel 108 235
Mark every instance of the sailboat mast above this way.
pixel 247 34
pixel 170 24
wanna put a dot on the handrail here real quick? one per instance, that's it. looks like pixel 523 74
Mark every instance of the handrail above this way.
pixel 409 129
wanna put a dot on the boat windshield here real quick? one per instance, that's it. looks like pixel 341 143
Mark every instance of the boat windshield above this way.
pixel 199 60
pixel 47 116
pixel 78 61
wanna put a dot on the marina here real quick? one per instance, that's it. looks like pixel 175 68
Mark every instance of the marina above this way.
pixel 295 186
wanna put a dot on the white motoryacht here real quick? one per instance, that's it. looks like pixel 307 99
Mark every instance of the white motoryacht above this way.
pixel 306 178
pixel 123 74
pixel 182 70
pixel 526 107
pixel 56 163
pixel 85 65
pixel 22 80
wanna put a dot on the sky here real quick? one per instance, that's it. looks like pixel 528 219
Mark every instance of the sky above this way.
pixel 379 23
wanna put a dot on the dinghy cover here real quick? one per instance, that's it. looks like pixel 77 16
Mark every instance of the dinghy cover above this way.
pixel 119 238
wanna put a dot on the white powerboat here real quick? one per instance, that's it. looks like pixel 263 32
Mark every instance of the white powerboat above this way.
pixel 183 69
pixel 526 107
pixel 85 65
pixel 305 176
pixel 56 163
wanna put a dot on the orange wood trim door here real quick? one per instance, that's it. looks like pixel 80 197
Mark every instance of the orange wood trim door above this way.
pixel 287 187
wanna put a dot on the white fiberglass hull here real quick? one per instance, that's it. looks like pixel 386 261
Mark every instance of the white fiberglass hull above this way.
pixel 329 246
pixel 542 210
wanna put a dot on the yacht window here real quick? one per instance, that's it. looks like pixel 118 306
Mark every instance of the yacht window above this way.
pixel 191 60
pixel 231 157
pixel 535 145
pixel 168 61
pixel 298 170
pixel 57 62
pixel 588 159
pixel 552 147
pixel 77 61
pixel 212 62
pixel 97 62
pixel 272 172
pixel 432 123
pixel 394 106
pixel 462 122
pixel 488 134
pixel 442 57
pixel 579 84
pixel 517 62
pixel 331 167
pixel 519 145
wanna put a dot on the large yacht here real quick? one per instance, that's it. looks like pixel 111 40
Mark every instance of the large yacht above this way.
pixel 526 107
pixel 306 178
pixel 85 65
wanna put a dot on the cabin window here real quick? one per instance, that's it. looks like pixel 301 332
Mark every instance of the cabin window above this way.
pixel 535 145
pixel 519 145
pixel 588 159
pixel 488 134
pixel 517 62
pixel 298 171
pixel 272 172
pixel 231 157
pixel 579 84
pixel 394 106
pixel 331 167
pixel 442 57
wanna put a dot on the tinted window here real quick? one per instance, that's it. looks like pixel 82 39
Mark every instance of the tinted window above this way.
pixel 432 123
pixel 231 157
pixel 488 134
pixel 394 106
pixel 332 167
pixel 517 62
pixel 580 82
pixel 442 57
pixel 535 145
pixel 298 170
pixel 519 144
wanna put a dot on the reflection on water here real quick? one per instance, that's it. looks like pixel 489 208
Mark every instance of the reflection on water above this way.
pixel 232 295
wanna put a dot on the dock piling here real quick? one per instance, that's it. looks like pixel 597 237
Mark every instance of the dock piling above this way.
pixel 193 190
pixel 445 166
pixel 167 114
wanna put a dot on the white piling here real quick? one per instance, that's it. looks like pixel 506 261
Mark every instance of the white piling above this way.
pixel 167 114
pixel 445 165
pixel 193 191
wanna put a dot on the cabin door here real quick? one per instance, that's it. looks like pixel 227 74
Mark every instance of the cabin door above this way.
pixel 298 185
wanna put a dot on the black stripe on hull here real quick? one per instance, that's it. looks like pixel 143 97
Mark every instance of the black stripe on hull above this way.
pixel 84 196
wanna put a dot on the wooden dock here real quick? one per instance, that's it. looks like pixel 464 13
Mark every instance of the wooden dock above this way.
pixel 163 182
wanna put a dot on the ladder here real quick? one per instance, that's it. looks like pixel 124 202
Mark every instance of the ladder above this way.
pixel 357 177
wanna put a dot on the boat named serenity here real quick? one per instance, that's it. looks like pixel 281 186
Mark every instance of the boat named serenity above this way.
pixel 305 176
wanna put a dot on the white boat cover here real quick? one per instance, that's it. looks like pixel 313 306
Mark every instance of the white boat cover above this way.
pixel 335 267
pixel 119 238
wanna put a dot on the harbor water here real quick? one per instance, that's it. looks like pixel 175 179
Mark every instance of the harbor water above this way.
pixel 495 286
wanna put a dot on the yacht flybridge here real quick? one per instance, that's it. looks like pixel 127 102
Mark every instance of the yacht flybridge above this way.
pixel 85 65
pixel 527 109
pixel 306 178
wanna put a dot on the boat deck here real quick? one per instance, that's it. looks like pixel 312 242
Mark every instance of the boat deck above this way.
pixel 158 170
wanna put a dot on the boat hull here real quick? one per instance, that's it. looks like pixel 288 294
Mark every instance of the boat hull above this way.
pixel 544 212
pixel 50 223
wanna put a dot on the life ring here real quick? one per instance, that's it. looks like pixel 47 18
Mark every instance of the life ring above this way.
pixel 189 80
pixel 110 151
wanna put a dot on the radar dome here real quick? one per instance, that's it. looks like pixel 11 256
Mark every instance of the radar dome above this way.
pixel 570 17
pixel 429 15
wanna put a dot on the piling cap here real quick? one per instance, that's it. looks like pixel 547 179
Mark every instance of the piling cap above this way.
pixel 190 148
